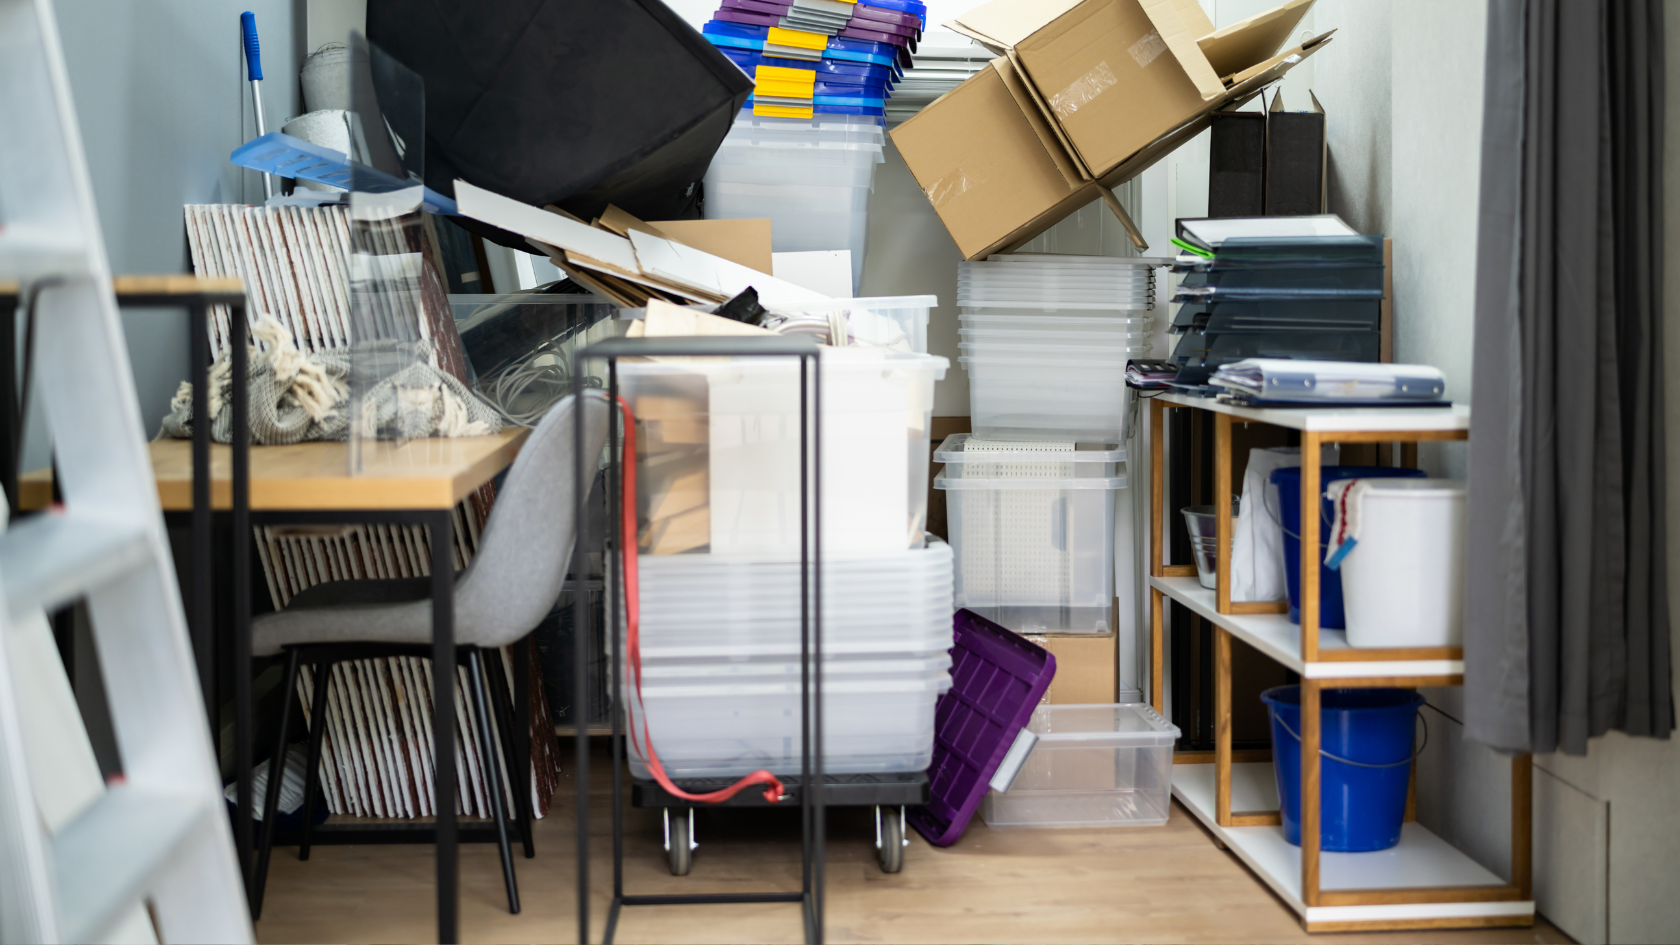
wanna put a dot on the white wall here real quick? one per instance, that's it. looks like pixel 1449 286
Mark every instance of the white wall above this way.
pixel 161 97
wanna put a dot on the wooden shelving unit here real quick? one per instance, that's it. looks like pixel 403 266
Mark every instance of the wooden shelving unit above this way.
pixel 1424 882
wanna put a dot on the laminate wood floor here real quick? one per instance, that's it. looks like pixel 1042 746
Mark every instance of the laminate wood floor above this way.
pixel 1152 884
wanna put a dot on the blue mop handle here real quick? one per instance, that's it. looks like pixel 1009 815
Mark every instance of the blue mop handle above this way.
pixel 253 52
pixel 253 71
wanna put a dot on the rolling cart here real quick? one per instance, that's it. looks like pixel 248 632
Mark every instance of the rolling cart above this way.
pixel 889 794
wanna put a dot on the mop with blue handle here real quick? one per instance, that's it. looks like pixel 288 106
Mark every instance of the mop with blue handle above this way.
pixel 253 72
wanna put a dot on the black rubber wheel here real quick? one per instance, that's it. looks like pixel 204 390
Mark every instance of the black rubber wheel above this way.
pixel 891 854
pixel 682 853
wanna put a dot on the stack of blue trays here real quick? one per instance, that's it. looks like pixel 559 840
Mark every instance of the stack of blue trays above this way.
pixel 857 50
pixel 1317 298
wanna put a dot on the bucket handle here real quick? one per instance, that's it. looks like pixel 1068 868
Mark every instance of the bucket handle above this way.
pixel 1324 521
pixel 1363 764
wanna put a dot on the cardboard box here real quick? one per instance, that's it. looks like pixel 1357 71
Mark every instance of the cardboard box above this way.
pixel 1087 94
pixel 1086 668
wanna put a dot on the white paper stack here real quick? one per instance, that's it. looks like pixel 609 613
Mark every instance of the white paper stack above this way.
pixel 377 757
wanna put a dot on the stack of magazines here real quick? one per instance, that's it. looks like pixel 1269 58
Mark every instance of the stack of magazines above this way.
pixel 1272 382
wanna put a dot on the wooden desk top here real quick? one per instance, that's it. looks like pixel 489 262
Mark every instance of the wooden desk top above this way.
pixel 429 473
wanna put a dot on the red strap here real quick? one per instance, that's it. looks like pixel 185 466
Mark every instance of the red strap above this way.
pixel 774 792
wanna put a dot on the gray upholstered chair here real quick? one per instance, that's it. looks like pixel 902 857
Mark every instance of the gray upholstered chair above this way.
pixel 509 587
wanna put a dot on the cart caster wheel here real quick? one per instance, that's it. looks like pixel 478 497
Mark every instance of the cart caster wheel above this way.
pixel 889 850
pixel 679 845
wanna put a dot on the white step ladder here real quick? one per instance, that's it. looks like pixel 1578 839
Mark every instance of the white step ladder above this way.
pixel 161 836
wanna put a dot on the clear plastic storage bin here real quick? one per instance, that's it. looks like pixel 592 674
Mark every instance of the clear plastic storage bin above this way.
pixel 718 451
pixel 1093 766
pixel 732 608
pixel 1023 395
pixel 720 642
pixel 869 726
pixel 1035 550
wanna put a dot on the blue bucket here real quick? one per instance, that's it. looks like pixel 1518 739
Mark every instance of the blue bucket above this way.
pixel 1365 764
pixel 1288 482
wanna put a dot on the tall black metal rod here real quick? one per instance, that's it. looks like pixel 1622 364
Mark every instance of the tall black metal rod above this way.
pixel 805 793
pixel 488 753
pixel 321 673
pixel 11 423
pixel 518 725
pixel 618 545
pixel 581 630
pixel 204 567
pixel 271 796
pixel 442 526
pixel 241 564
pixel 818 802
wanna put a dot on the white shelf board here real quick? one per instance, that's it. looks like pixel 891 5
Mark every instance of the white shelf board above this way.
pixel 1339 419
pixel 1420 860
pixel 1280 639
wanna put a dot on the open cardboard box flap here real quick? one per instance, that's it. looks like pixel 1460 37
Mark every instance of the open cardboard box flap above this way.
pixel 1177 26
pixel 1240 45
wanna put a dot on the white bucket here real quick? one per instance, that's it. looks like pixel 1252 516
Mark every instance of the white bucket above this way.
pixel 1403 583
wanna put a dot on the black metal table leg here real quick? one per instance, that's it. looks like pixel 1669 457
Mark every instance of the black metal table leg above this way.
pixel 615 571
pixel 241 563
pixel 203 563
pixel 580 645
pixel 443 718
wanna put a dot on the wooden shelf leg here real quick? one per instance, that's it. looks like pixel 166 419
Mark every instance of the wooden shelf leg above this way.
pixel 1311 793
pixel 1222 508
pixel 1311 447
pixel 1157 644
pixel 1222 726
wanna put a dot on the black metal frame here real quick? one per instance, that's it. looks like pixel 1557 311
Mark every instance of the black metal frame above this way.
pixel 440 525
pixel 323 656
pixel 811 800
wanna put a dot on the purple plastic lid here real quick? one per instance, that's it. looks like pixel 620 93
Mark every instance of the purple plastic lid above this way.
pixel 757 6
pixel 754 19
pixel 876 36
pixel 997 680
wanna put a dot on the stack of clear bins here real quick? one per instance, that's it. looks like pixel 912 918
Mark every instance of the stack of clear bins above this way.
pixel 1045 340
pixel 721 670
pixel 1033 527
pixel 810 176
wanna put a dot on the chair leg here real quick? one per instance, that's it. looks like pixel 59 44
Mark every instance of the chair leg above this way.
pixel 516 744
pixel 271 797
pixel 312 769
pixel 498 803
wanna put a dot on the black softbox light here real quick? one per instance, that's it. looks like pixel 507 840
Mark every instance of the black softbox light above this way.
pixel 579 103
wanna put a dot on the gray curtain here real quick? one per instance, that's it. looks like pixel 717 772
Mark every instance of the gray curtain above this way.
pixel 1566 609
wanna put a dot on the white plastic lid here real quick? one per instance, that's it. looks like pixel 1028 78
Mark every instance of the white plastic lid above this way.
pixel 1413 488
pixel 951 451
pixel 1122 725
pixel 1047 483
